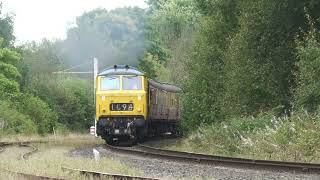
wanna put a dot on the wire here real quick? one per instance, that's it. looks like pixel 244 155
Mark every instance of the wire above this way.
pixel 76 66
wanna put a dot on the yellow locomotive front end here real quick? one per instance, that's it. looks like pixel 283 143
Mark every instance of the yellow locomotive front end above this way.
pixel 121 103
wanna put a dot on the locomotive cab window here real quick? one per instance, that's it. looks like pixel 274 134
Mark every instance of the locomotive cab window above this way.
pixel 131 83
pixel 110 83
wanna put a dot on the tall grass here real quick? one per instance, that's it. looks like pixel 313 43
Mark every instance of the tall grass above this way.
pixel 294 138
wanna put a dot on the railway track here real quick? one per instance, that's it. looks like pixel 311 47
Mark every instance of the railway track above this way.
pixel 32 176
pixel 1 149
pixel 21 144
pixel 99 175
pixel 34 149
pixel 24 157
pixel 27 154
pixel 158 153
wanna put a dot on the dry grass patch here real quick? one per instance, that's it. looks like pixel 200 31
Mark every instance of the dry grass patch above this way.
pixel 56 138
pixel 52 156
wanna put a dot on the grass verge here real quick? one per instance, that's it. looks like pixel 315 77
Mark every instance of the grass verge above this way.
pixel 50 157
pixel 295 138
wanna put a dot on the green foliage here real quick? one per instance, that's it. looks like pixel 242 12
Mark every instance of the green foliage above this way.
pixel 307 93
pixel 70 98
pixel 9 71
pixel 205 76
pixel 114 37
pixel 234 58
pixel 147 64
pixel 10 56
pixel 14 121
pixel 25 113
pixel 260 58
pixel 169 26
pixel 153 68
pixel 8 88
pixel 39 112
pixel 243 59
pixel 83 91
pixel 6 29
pixel 9 74
pixel 225 137
pixel 297 135
pixel 168 22
pixel 294 138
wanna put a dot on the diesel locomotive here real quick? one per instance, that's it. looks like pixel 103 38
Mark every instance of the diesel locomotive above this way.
pixel 131 106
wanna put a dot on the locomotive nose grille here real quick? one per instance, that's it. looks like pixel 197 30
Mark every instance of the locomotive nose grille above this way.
pixel 120 122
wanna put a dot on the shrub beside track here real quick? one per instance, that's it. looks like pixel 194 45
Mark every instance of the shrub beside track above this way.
pixel 152 152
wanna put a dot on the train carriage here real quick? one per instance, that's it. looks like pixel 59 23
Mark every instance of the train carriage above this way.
pixel 129 105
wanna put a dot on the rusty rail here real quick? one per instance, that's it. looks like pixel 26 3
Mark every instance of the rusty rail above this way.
pixel 32 176
pixel 188 157
pixel 96 174
pixel 28 154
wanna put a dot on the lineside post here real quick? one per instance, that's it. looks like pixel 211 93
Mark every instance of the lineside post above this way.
pixel 95 73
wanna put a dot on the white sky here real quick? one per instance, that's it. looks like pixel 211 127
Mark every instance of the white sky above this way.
pixel 37 19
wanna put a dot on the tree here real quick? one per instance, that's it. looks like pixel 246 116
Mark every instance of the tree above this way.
pixel 9 74
pixel 114 37
pixel 169 35
pixel 261 57
pixel 307 93
pixel 204 84
pixel 6 29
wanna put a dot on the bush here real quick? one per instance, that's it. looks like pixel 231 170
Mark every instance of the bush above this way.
pixel 14 121
pixel 294 138
pixel 83 91
pixel 39 112
pixel 61 129
pixel 291 139
pixel 249 124
pixel 8 88
pixel 71 98
pixel 226 137
pixel 307 93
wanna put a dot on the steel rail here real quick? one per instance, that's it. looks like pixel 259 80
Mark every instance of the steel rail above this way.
pixel 206 156
pixel 32 176
pixel 28 154
pixel 20 142
pixel 107 175
pixel 158 153
pixel 1 149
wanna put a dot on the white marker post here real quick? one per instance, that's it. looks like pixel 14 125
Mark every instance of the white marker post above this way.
pixel 95 74
pixel 96 155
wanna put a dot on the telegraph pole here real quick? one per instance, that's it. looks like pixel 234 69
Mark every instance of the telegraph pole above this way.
pixel 95 73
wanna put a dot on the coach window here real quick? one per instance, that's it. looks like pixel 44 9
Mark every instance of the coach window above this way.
pixel 131 83
pixel 110 83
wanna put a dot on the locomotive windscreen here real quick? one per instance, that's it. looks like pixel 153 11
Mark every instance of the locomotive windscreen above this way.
pixel 131 83
pixel 110 83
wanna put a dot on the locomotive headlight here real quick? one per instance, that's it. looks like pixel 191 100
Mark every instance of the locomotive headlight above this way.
pixel 139 109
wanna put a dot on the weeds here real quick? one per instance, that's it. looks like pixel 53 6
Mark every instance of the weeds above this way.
pixel 295 138
pixel 51 156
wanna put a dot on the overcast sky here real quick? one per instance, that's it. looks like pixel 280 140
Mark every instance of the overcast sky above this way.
pixel 37 19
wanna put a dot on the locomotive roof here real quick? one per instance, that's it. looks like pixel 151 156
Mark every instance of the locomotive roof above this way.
pixel 121 70
pixel 165 87
pixel 129 70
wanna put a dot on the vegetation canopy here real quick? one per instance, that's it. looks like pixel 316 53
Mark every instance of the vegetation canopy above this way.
pixel 240 65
